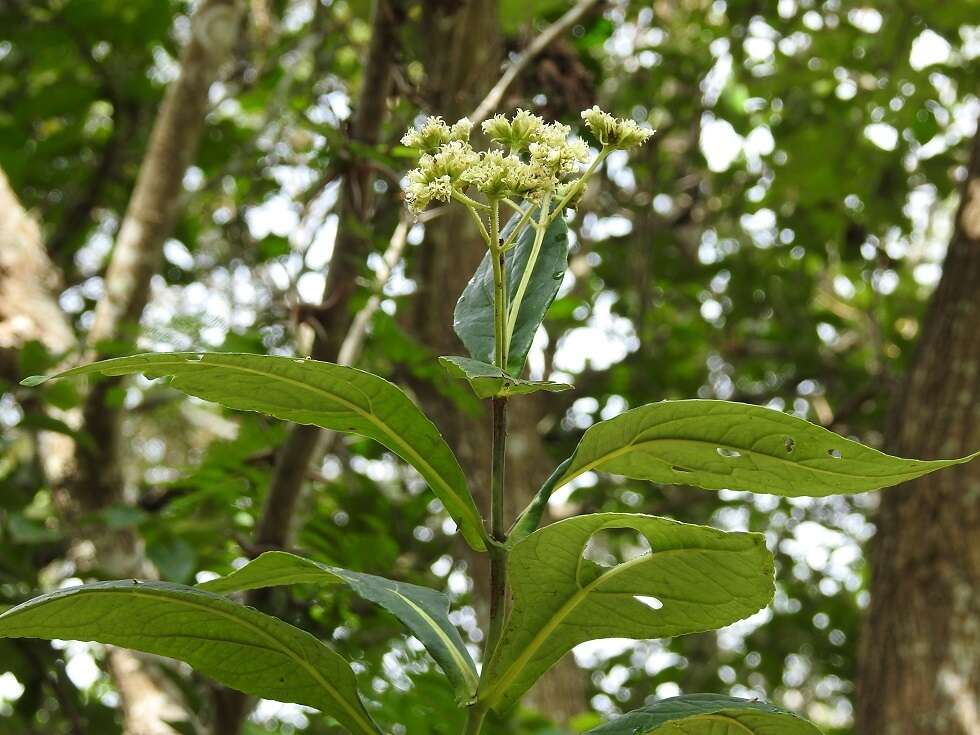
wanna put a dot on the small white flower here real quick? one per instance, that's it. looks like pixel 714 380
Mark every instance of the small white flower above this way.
pixel 461 130
pixel 428 136
pixel 516 133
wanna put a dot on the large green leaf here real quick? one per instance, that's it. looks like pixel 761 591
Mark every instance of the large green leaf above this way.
pixel 473 318
pixel 311 392
pixel 720 444
pixel 702 579
pixel 707 714
pixel 489 381
pixel 424 611
pixel 236 645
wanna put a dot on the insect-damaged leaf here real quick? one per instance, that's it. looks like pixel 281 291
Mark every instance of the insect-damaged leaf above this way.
pixel 700 577
pixel 725 445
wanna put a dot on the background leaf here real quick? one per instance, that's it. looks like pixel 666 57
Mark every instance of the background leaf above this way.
pixel 723 445
pixel 708 714
pixel 473 317
pixel 703 579
pixel 489 381
pixel 424 611
pixel 236 645
pixel 320 393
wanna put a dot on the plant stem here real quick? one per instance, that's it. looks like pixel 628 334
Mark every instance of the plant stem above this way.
pixel 474 719
pixel 498 419
pixel 498 557
pixel 583 180
pixel 499 289
pixel 539 231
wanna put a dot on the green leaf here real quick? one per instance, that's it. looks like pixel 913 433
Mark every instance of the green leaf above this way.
pixel 424 611
pixel 320 393
pixel 473 318
pixel 707 714
pixel 702 579
pixel 489 381
pixel 723 445
pixel 235 645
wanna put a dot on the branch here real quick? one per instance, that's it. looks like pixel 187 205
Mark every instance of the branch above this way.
pixel 514 69
pixel 149 219
pixel 29 283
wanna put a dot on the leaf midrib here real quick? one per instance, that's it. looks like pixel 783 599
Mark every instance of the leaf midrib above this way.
pixel 462 664
pixel 277 645
pixel 514 670
pixel 461 507
pixel 632 446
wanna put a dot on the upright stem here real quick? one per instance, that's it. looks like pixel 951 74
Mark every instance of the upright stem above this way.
pixel 474 720
pixel 498 559
pixel 498 418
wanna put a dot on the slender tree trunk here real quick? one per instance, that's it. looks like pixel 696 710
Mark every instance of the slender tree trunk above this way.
pixel 153 207
pixel 460 73
pixel 332 320
pixel 920 655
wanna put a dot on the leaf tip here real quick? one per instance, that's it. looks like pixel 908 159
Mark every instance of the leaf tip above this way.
pixel 32 381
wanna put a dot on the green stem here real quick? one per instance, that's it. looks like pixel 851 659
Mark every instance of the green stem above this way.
pixel 474 719
pixel 518 228
pixel 479 223
pixel 498 557
pixel 539 231
pixel 499 289
pixel 583 179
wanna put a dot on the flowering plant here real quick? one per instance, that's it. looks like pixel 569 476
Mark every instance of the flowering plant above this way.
pixel 547 595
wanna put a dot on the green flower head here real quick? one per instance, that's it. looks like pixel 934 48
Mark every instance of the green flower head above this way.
pixel 615 132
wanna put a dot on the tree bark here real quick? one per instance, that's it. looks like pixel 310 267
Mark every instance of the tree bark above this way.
pixel 149 220
pixel 332 320
pixel 29 285
pixel 920 654
pixel 460 72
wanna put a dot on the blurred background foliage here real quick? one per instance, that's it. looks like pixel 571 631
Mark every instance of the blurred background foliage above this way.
pixel 775 243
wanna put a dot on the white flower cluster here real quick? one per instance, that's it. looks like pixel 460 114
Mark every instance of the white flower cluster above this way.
pixel 531 160
pixel 614 132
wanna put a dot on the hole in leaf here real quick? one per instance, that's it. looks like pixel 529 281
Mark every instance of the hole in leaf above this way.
pixel 196 358
pixel 835 453
pixel 790 444
pixel 651 602
pixel 675 468
pixel 726 452
pixel 612 546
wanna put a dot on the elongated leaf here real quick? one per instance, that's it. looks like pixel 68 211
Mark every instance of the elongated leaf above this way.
pixel 236 645
pixel 707 714
pixel 701 577
pixel 319 393
pixel 473 318
pixel 424 611
pixel 489 381
pixel 720 444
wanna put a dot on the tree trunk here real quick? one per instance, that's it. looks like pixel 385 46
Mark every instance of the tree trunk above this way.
pixel 920 654
pixel 460 73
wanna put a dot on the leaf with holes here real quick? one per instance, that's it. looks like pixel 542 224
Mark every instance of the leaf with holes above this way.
pixel 707 714
pixel 694 579
pixel 320 393
pixel 233 644
pixel 473 318
pixel 723 445
pixel 424 611
pixel 489 381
